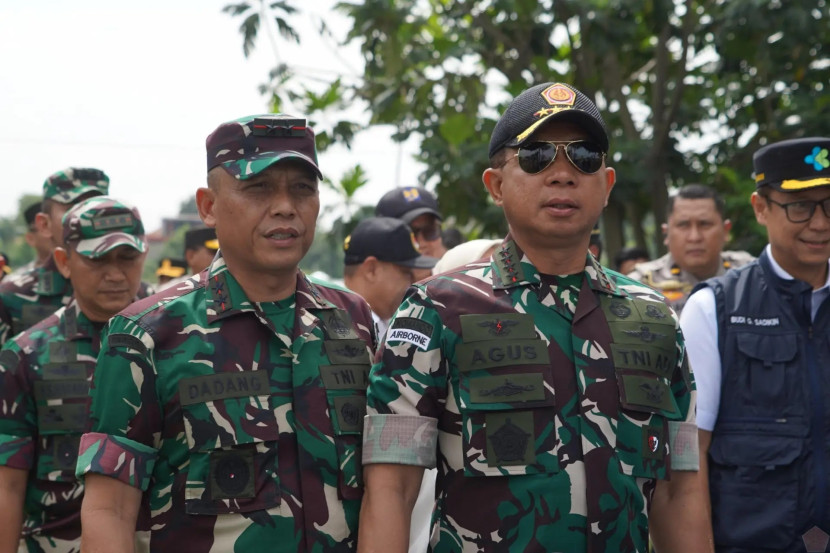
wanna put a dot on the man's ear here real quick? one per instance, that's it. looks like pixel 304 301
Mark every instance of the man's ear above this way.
pixel 205 202
pixel 43 225
pixel 371 268
pixel 759 206
pixel 493 179
pixel 62 261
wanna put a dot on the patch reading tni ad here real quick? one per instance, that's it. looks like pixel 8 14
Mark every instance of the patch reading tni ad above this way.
pixel 413 331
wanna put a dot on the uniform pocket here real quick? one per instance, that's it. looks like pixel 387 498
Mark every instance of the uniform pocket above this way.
pixel 754 489
pixel 768 379
pixel 509 422
pixel 62 415
pixel 233 435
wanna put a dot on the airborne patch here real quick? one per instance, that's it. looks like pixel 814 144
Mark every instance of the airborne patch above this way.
pixel 410 330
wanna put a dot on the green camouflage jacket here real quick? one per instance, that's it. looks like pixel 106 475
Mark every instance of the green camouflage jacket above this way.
pixel 549 404
pixel 44 380
pixel 243 435
pixel 30 297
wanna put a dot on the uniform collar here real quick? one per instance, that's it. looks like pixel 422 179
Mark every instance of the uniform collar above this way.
pixel 225 296
pixel 50 282
pixel 75 325
pixel 511 268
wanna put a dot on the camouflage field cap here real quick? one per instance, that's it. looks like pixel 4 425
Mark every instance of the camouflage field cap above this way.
pixel 67 186
pixel 251 144
pixel 100 224
pixel 543 103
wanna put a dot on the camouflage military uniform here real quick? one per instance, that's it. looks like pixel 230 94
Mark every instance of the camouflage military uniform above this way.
pixel 241 422
pixel 549 404
pixel 36 294
pixel 44 381
pixel 675 284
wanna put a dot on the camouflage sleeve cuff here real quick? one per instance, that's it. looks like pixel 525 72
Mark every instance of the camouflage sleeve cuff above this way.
pixel 17 452
pixel 684 446
pixel 400 440
pixel 121 458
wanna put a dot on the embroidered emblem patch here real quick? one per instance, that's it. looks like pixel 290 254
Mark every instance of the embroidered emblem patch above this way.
pixel 620 310
pixel 559 95
pixel 410 330
pixel 498 327
pixel 654 313
pixel 644 334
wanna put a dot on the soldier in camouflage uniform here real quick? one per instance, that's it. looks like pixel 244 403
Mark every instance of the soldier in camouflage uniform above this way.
pixel 231 406
pixel 30 297
pixel 45 374
pixel 551 393
pixel 696 230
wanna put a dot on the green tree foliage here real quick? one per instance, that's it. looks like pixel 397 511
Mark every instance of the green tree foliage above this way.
pixel 689 89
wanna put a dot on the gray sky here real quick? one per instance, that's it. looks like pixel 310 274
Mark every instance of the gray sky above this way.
pixel 134 88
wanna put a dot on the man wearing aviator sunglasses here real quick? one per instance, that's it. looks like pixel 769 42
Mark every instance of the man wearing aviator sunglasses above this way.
pixel 759 341
pixel 538 382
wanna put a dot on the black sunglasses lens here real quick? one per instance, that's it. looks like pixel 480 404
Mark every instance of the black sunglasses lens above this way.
pixel 586 156
pixel 534 157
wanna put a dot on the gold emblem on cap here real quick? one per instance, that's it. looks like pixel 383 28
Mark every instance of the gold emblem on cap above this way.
pixel 558 94
pixel 347 242
pixel 411 194
pixel 414 242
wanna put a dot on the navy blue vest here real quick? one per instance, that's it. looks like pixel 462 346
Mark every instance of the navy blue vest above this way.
pixel 770 452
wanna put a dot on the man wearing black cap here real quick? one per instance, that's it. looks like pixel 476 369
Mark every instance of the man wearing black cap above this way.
pixel 552 396
pixel 380 255
pixel 417 207
pixel 759 341
pixel 200 245
pixel 169 271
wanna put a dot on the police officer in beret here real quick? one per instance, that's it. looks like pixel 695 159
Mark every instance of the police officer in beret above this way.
pixel 759 341
pixel 696 230
pixel 551 394
pixel 45 374
pixel 233 407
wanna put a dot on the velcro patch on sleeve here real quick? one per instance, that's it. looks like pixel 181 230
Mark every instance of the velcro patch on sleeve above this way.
pixel 411 330
pixel 126 341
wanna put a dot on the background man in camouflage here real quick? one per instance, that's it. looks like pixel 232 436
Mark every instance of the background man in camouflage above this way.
pixel 696 231
pixel 553 396
pixel 232 406
pixel 32 296
pixel 41 245
pixel 45 374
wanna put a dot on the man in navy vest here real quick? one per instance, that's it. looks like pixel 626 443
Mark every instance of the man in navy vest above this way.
pixel 758 339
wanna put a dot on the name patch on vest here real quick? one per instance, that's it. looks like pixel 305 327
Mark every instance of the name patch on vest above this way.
pixel 754 321
pixel 652 359
pixel 61 389
pixel 210 387
pixel 500 353
pixel 345 377
pixel 411 330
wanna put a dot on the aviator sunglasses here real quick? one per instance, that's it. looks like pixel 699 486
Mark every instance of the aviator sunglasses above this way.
pixel 585 155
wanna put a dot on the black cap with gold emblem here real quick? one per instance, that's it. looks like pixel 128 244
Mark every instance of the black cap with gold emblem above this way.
pixel 540 104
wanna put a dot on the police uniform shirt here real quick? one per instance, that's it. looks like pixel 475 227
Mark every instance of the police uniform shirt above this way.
pixel 700 328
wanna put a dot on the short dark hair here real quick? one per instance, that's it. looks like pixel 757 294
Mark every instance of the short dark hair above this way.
pixel 627 254
pixel 697 192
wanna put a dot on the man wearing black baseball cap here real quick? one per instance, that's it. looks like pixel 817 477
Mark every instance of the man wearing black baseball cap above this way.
pixel 759 340
pixel 551 394
pixel 380 255
pixel 200 245
pixel 417 207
